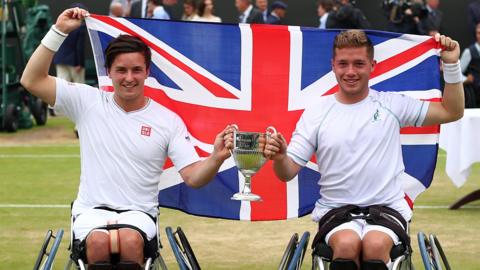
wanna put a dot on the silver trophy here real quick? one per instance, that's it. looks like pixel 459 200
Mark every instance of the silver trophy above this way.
pixel 248 155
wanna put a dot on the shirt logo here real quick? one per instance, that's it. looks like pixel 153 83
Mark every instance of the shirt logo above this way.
pixel 376 116
pixel 146 131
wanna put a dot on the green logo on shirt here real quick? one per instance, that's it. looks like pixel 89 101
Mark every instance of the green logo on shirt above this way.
pixel 376 116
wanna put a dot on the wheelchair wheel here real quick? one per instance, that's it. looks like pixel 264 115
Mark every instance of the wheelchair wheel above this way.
pixel 288 253
pixel 299 253
pixel 45 252
pixel 426 251
pixel 440 257
pixel 187 249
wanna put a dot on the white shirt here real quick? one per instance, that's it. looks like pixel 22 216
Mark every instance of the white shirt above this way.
pixel 357 148
pixel 122 153
pixel 323 21
pixel 245 14
pixel 160 13
pixel 467 57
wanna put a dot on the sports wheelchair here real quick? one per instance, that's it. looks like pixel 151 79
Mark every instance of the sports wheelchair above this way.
pixel 294 253
pixel 153 259
pixel 181 249
pixel 46 253
pixel 432 253
pixel 400 255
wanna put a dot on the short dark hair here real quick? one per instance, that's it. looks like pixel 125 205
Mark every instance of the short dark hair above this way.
pixel 126 44
pixel 353 39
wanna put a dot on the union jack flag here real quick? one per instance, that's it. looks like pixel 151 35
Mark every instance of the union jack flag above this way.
pixel 257 76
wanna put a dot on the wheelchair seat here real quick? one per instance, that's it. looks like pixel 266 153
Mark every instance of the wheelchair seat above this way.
pixel 322 254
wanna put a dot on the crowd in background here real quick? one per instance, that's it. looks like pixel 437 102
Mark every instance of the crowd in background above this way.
pixel 422 17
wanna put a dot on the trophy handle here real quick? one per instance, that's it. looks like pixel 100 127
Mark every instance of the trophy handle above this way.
pixel 235 130
pixel 271 131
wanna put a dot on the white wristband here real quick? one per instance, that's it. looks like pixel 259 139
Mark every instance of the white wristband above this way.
pixel 53 39
pixel 452 73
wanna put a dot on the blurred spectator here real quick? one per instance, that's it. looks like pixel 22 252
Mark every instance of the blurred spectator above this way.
pixel 349 17
pixel 404 16
pixel 116 9
pixel 189 10
pixel 325 8
pixel 431 24
pixel 155 10
pixel 470 62
pixel 277 13
pixel 138 9
pixel 473 11
pixel 206 12
pixel 262 5
pixel 247 12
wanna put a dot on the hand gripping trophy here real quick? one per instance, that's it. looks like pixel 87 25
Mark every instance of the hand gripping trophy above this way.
pixel 248 155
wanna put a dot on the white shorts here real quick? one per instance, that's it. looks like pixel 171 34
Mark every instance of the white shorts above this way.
pixel 93 218
pixel 361 227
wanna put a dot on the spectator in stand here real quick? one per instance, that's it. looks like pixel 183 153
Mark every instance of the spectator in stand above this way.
pixel 247 12
pixel 325 8
pixel 276 16
pixel 431 24
pixel 349 17
pixel 155 10
pixel 262 5
pixel 470 63
pixel 189 10
pixel 405 17
pixel 206 12
pixel 116 9
pixel 473 11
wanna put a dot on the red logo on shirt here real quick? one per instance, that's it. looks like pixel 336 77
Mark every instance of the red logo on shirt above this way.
pixel 146 131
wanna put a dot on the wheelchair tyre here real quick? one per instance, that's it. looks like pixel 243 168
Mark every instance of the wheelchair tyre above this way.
pixel 440 256
pixel 288 253
pixel 426 251
pixel 43 250
pixel 188 249
pixel 299 253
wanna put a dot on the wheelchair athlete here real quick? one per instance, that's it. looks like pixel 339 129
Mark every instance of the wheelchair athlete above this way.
pixel 355 136
pixel 125 139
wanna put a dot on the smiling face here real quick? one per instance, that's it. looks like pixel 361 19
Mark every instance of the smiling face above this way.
pixel 352 68
pixel 128 73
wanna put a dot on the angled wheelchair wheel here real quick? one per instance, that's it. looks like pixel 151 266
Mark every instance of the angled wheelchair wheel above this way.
pixel 48 252
pixel 439 254
pixel 288 253
pixel 299 254
pixel 426 252
pixel 181 249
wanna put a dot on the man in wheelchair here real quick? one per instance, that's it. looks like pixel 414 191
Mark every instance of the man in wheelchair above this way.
pixel 125 138
pixel 355 136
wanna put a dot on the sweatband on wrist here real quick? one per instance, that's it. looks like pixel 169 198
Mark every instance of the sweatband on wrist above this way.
pixel 53 39
pixel 452 73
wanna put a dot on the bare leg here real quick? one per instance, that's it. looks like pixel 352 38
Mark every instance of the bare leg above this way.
pixel 132 245
pixel 346 244
pixel 97 244
pixel 376 245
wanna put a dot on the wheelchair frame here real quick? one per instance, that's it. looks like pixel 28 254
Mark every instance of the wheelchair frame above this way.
pixel 50 255
pixel 151 263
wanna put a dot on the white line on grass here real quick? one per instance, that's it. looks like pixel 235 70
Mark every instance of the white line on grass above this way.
pixel 39 156
pixel 37 145
pixel 11 205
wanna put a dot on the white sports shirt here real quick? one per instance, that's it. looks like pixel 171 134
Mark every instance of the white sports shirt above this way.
pixel 122 153
pixel 358 150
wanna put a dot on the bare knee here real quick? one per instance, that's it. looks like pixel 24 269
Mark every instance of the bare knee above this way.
pixel 376 246
pixel 345 244
pixel 97 245
pixel 132 245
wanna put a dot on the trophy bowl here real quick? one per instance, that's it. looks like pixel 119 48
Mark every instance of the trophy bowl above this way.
pixel 248 156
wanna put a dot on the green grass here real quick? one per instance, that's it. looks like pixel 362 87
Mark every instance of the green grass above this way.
pixel 218 244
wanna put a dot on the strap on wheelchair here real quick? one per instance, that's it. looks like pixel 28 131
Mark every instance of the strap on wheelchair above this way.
pixel 376 215
pixel 343 264
pixel 374 265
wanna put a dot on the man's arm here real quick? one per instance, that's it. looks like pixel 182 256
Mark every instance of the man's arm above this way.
pixel 453 102
pixel 276 149
pixel 35 77
pixel 202 172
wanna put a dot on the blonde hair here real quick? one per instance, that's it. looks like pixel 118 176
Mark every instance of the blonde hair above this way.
pixel 353 39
